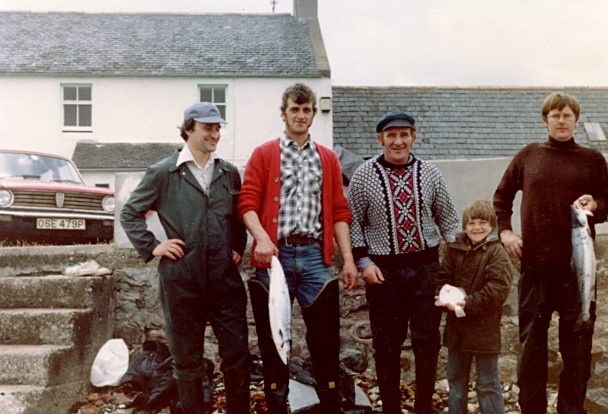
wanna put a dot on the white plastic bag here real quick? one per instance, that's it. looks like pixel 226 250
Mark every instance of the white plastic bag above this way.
pixel 110 364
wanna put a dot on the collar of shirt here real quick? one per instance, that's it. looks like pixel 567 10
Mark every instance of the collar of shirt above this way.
pixel 203 175
pixel 287 142
pixel 185 155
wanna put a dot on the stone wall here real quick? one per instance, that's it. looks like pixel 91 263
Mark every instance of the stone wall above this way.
pixel 137 315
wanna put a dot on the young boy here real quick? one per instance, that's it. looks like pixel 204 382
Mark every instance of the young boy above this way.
pixel 477 264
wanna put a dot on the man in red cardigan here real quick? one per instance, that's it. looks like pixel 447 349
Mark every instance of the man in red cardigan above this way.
pixel 293 204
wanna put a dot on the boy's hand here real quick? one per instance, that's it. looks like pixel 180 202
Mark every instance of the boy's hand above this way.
pixel 452 306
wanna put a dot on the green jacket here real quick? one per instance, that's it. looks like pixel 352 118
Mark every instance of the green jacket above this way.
pixel 206 223
pixel 485 272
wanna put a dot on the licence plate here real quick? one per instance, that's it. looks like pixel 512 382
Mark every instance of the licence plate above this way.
pixel 60 224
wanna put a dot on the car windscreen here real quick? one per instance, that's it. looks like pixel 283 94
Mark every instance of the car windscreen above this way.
pixel 37 167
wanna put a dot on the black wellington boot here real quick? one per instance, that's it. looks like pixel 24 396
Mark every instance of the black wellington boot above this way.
pixel 191 396
pixel 276 374
pixel 322 320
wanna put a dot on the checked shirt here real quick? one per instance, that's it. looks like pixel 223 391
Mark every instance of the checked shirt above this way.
pixel 301 180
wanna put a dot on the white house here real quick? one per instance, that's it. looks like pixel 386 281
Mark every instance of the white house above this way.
pixel 103 80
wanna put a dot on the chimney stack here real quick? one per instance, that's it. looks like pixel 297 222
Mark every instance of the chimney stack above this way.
pixel 305 9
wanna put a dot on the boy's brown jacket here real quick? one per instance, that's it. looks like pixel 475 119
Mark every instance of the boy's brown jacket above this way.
pixel 485 272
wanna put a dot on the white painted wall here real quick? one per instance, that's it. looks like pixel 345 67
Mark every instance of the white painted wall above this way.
pixel 147 110
pixel 258 115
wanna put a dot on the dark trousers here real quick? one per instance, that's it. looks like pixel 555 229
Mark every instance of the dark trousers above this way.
pixel 187 306
pixel 537 302
pixel 405 299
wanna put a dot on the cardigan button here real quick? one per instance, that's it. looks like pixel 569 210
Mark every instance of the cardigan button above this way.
pixel 276 179
pixel 276 199
pixel 275 220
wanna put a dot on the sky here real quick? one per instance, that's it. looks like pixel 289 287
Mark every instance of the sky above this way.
pixel 427 42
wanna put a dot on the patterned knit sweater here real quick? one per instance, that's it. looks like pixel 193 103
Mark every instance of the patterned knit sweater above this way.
pixel 398 210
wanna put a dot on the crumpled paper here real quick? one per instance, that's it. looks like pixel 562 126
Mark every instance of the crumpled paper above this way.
pixel 88 268
pixel 451 295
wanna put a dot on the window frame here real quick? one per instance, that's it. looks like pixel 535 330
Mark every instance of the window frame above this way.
pixel 78 103
pixel 221 105
pixel 594 131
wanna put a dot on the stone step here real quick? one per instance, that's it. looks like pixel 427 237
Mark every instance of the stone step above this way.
pixel 51 291
pixel 31 399
pixel 39 365
pixel 42 326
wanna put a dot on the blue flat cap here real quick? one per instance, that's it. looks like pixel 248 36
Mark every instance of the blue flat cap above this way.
pixel 395 119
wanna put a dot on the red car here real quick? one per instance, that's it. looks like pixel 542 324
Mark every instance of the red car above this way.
pixel 43 198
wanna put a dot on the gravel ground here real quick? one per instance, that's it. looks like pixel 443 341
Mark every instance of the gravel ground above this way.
pixel 117 400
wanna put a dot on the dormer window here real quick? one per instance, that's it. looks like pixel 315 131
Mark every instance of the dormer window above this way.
pixel 594 131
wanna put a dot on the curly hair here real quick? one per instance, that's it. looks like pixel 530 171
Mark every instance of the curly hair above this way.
pixel 300 94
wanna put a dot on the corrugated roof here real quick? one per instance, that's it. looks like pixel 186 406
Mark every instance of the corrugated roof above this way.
pixel 458 123
pixel 206 45
pixel 120 156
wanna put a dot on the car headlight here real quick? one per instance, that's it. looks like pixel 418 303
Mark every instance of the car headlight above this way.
pixel 108 203
pixel 6 198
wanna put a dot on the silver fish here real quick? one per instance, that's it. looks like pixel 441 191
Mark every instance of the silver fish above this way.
pixel 583 258
pixel 279 310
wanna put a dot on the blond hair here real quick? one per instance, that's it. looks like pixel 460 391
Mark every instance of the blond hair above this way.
pixel 559 100
pixel 479 209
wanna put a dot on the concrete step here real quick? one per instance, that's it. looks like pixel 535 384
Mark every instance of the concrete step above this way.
pixel 39 365
pixel 51 291
pixel 41 326
pixel 20 399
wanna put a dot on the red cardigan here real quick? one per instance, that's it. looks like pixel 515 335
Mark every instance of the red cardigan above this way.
pixel 261 193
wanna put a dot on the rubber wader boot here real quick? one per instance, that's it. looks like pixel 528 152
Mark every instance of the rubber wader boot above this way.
pixel 191 396
pixel 236 383
pixel 207 383
pixel 276 374
pixel 322 319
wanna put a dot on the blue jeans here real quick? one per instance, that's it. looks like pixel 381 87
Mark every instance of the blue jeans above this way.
pixel 304 270
pixel 487 386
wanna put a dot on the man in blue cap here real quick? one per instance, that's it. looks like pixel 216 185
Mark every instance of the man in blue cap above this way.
pixel 401 210
pixel 195 194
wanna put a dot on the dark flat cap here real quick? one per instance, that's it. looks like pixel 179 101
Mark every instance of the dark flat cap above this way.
pixel 395 119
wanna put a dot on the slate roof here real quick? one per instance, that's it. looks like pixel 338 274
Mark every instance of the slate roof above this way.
pixel 459 123
pixel 120 156
pixel 205 45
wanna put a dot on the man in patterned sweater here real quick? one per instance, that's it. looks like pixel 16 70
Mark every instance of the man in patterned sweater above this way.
pixel 552 175
pixel 401 209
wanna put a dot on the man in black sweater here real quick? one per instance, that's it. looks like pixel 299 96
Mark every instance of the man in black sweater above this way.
pixel 552 176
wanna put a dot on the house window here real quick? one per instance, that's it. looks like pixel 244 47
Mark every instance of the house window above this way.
pixel 215 94
pixel 77 107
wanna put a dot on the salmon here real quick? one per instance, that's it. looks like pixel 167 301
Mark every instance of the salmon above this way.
pixel 583 259
pixel 279 310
